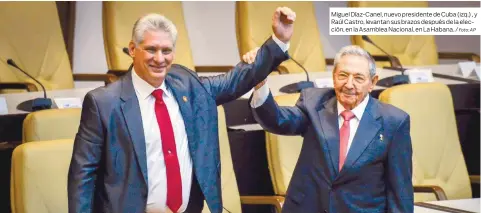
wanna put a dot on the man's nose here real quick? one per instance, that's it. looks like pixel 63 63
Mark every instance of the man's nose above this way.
pixel 159 57
pixel 350 82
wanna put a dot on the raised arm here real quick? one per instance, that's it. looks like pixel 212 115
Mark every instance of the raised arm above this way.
pixel 244 77
pixel 283 120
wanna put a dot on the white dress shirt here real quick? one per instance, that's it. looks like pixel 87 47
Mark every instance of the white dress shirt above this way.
pixel 354 122
pixel 260 96
pixel 157 177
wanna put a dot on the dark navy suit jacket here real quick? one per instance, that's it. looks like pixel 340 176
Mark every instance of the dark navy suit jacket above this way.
pixel 108 170
pixel 376 176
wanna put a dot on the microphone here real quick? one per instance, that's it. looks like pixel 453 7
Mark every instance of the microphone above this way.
pixel 34 104
pixel 395 65
pixel 120 73
pixel 126 51
pixel 297 87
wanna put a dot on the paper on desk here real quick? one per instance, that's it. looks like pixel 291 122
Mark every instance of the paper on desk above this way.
pixel 420 75
pixel 467 68
pixel 63 103
pixel 3 106
pixel 476 70
pixel 324 83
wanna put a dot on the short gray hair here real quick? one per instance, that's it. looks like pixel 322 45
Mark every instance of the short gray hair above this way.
pixel 356 50
pixel 153 22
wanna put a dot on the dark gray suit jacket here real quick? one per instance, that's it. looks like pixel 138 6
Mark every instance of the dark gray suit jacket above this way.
pixel 376 176
pixel 108 170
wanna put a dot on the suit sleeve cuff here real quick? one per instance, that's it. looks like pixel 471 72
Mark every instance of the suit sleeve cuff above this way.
pixel 284 47
pixel 259 96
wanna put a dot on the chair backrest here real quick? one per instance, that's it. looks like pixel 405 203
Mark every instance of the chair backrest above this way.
pixel 31 35
pixel 254 26
pixel 230 191
pixel 39 177
pixel 51 124
pixel 283 151
pixel 118 21
pixel 411 50
pixel 437 155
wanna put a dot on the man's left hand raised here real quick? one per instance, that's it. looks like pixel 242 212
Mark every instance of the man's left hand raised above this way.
pixel 283 23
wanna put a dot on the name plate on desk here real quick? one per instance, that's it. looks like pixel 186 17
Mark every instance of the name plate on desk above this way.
pixel 324 83
pixel 476 70
pixel 63 103
pixel 466 69
pixel 420 76
pixel 3 106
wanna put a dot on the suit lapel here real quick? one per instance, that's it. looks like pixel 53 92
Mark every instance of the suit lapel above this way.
pixel 329 124
pixel 185 104
pixel 367 130
pixel 133 119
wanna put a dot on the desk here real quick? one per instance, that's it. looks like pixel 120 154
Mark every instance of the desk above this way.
pixel 13 99
pixel 448 70
pixel 11 123
pixel 275 82
pixel 454 206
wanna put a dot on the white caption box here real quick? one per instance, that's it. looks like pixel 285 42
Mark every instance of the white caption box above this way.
pixel 405 21
pixel 63 103
pixel 324 83
pixel 3 106
pixel 420 76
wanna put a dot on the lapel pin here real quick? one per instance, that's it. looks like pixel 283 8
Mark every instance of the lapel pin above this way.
pixel 184 98
pixel 381 137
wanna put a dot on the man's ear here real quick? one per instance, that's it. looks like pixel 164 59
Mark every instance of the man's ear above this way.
pixel 374 82
pixel 131 49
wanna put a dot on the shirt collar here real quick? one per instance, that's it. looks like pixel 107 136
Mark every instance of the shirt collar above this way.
pixel 144 89
pixel 358 110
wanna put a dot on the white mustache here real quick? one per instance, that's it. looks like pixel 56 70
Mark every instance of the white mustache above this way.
pixel 348 92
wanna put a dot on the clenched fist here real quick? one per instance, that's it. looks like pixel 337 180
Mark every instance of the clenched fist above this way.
pixel 283 23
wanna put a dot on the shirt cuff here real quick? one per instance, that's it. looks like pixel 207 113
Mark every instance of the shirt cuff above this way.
pixel 284 47
pixel 260 96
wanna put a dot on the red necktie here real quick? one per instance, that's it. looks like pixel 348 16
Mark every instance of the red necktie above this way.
pixel 344 136
pixel 174 184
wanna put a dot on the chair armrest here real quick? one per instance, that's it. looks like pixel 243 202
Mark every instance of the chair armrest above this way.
pixel 436 190
pixel 457 55
pixel 281 69
pixel 107 78
pixel 276 201
pixel 213 68
pixel 30 87
pixel 394 61
pixel 329 61
pixel 474 179
pixel 118 73
pixel 467 111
